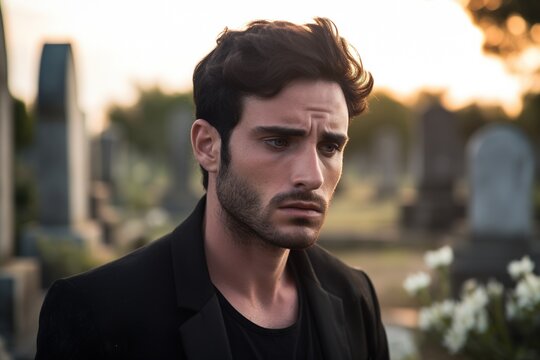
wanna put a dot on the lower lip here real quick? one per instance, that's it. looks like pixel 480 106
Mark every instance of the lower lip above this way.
pixel 299 212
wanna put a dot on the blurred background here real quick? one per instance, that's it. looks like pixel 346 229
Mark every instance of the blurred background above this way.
pixel 95 159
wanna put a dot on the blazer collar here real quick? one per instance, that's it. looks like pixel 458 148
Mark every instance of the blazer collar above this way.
pixel 204 334
pixel 327 309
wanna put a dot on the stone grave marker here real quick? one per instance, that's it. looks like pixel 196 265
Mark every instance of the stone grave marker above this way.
pixel 61 157
pixel 6 155
pixel 180 198
pixel 501 172
pixel 437 159
pixel 20 291
pixel 386 159
pixel 62 141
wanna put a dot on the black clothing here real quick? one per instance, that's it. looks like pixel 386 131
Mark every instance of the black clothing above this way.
pixel 159 303
pixel 252 342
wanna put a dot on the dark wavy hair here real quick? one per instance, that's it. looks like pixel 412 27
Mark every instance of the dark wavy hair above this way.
pixel 262 59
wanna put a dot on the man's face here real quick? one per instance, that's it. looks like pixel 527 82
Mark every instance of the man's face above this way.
pixel 286 159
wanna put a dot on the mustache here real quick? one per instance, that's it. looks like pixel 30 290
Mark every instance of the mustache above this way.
pixel 299 195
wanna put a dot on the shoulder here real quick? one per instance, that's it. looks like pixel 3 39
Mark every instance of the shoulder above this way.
pixel 120 286
pixel 339 278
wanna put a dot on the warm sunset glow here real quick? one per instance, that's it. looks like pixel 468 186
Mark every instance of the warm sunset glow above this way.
pixel 409 46
pixel 535 33
pixel 516 25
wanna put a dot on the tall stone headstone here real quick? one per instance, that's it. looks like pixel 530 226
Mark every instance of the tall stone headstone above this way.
pixel 6 156
pixel 19 278
pixel 62 141
pixel 386 156
pixel 179 197
pixel 436 168
pixel 501 172
pixel 61 157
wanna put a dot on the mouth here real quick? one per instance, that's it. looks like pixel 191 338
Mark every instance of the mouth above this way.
pixel 303 207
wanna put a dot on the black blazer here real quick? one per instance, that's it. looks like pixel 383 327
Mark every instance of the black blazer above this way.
pixel 159 303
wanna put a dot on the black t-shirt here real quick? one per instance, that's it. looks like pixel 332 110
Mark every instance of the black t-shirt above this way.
pixel 251 341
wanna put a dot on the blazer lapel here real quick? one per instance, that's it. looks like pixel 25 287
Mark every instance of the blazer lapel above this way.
pixel 203 335
pixel 327 310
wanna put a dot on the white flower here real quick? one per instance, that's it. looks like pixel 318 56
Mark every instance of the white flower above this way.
pixel 520 268
pixel 528 292
pixel 477 299
pixel 482 321
pixel 436 316
pixel 455 339
pixel 511 309
pixel 439 258
pixel 494 288
pixel 416 282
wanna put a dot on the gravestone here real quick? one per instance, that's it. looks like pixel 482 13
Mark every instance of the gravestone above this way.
pixel 437 159
pixel 386 159
pixel 105 161
pixel 61 157
pixel 179 198
pixel 19 278
pixel 62 164
pixel 501 172
pixel 6 155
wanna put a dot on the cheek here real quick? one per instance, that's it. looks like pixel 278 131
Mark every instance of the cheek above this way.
pixel 333 175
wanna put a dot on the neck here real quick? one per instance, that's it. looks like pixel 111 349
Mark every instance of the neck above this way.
pixel 253 278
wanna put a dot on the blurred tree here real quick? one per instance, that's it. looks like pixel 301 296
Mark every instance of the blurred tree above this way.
pixel 512 31
pixel 529 119
pixel 383 111
pixel 24 181
pixel 23 125
pixel 472 117
pixel 144 124
pixel 509 25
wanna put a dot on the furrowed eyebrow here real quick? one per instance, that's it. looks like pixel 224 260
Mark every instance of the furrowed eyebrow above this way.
pixel 279 130
pixel 334 137
pixel 287 131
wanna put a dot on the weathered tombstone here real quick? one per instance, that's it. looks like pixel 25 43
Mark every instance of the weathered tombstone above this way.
pixel 436 168
pixel 61 157
pixel 62 164
pixel 6 155
pixel 105 160
pixel 501 171
pixel 386 159
pixel 19 278
pixel 179 197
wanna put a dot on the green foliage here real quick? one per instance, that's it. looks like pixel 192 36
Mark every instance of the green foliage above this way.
pixel 383 112
pixel 63 257
pixel 471 118
pixel 529 119
pixel 23 125
pixel 144 125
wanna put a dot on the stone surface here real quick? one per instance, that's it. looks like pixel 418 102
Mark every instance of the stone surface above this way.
pixel 6 156
pixel 20 299
pixel 436 164
pixel 179 197
pixel 501 169
pixel 62 143
pixel 386 154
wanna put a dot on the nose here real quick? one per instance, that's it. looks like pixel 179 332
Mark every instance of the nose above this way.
pixel 307 171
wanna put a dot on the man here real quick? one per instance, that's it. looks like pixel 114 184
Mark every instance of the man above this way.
pixel 241 278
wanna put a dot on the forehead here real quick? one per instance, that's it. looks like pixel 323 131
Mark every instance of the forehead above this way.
pixel 303 103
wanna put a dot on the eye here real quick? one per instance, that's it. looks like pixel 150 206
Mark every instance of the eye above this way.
pixel 330 148
pixel 278 143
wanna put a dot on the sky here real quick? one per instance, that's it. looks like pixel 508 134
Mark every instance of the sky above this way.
pixel 408 45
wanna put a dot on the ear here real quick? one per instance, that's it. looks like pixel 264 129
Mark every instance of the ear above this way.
pixel 206 144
